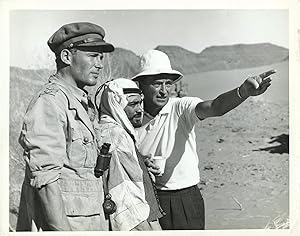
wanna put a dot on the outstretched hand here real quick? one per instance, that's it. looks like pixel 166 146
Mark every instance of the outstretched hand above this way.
pixel 256 85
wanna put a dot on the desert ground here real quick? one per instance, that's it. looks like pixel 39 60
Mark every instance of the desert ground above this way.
pixel 244 160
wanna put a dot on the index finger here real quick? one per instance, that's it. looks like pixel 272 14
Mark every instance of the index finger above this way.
pixel 267 74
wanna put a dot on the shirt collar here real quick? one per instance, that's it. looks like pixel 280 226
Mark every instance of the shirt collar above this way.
pixel 165 110
pixel 80 94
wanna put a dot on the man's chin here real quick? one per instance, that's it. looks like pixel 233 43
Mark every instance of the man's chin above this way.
pixel 161 102
pixel 92 80
pixel 136 123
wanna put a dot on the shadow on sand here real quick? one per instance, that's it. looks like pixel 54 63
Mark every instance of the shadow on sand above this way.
pixel 282 147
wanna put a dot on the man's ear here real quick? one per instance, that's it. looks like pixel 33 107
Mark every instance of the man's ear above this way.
pixel 66 56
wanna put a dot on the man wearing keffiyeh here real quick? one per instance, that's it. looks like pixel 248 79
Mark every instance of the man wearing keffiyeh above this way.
pixel 128 179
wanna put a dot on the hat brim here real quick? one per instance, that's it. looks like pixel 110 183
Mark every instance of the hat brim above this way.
pixel 173 75
pixel 101 46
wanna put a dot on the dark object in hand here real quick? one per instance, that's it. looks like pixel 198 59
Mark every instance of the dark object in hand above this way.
pixel 109 206
pixel 103 160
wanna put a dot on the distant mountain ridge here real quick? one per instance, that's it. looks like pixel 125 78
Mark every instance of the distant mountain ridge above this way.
pixel 230 57
pixel 124 63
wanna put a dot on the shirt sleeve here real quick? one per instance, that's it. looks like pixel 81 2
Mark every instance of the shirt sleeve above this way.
pixel 186 108
pixel 43 140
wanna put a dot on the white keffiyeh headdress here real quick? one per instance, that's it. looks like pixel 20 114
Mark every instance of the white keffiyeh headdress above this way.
pixel 114 100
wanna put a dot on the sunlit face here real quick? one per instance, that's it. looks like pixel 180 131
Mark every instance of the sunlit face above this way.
pixel 156 90
pixel 85 66
pixel 134 110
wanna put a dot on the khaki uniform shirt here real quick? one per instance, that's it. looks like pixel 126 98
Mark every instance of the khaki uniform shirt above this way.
pixel 60 145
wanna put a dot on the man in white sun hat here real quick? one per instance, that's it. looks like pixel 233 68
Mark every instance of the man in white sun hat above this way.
pixel 168 131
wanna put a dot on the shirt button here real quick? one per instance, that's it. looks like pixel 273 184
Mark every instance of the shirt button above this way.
pixel 85 139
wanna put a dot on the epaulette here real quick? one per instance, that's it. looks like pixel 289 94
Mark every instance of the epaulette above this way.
pixel 50 89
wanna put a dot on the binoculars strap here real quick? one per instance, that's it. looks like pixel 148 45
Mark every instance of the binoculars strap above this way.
pixel 105 182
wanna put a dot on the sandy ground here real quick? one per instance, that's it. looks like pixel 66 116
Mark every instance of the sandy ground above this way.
pixel 244 175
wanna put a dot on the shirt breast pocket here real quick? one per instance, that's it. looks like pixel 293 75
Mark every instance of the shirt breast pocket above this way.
pixel 82 151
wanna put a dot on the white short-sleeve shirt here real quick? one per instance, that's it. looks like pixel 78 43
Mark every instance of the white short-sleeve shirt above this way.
pixel 171 134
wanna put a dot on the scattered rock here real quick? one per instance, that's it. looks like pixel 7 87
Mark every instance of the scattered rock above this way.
pixel 208 167
pixel 220 140
pixel 235 130
pixel 210 153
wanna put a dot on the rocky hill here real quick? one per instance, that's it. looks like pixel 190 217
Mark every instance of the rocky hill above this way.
pixel 123 63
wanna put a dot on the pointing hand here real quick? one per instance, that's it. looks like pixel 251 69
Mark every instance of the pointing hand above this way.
pixel 256 85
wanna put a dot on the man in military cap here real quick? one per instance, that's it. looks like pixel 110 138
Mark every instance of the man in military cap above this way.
pixel 60 191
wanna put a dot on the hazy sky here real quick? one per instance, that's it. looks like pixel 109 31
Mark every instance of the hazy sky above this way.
pixel 140 30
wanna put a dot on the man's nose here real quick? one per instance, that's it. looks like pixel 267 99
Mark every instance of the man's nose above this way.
pixel 99 63
pixel 163 88
pixel 140 108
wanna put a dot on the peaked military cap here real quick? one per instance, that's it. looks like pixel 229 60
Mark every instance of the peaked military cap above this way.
pixel 79 34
